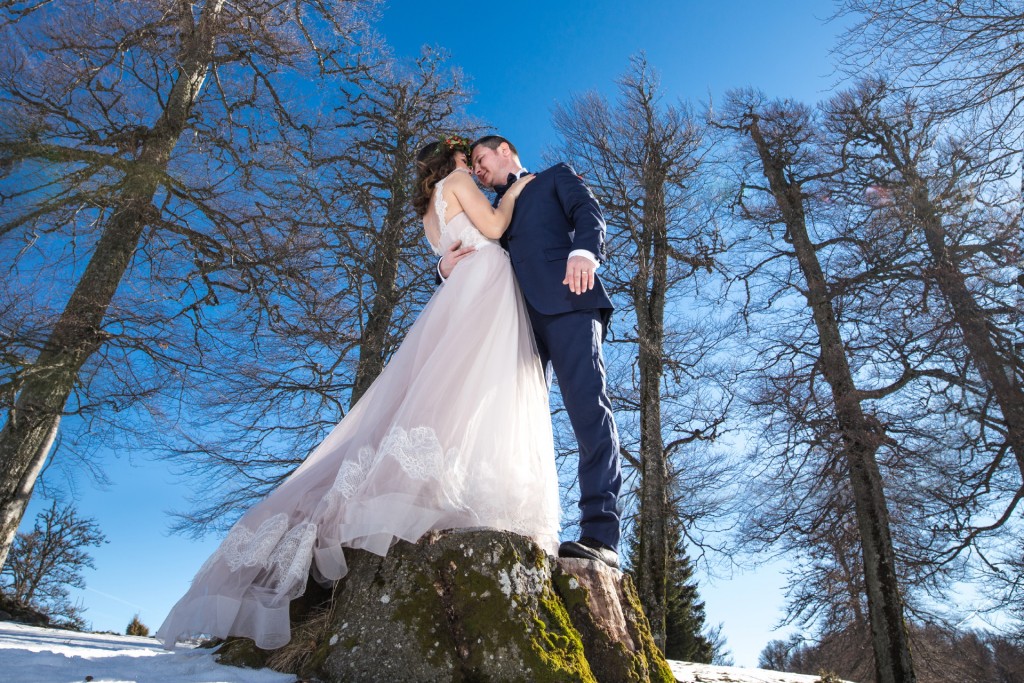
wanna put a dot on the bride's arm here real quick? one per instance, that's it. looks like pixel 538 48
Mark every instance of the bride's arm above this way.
pixel 489 221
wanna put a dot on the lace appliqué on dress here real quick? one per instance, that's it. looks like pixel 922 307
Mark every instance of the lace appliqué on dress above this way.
pixel 440 205
pixel 289 563
pixel 244 547
pixel 470 236
pixel 286 553
pixel 418 451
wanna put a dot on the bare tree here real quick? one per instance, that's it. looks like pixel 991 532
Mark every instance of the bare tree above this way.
pixel 780 138
pixel 642 158
pixel 372 275
pixel 390 114
pixel 131 134
pixel 45 562
pixel 960 199
pixel 776 654
pixel 968 51
pixel 947 655
pixel 952 191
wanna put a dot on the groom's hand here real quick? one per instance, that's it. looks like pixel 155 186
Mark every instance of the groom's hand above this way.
pixel 456 252
pixel 579 274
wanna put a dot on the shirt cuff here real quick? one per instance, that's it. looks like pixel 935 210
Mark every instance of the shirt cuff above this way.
pixel 443 278
pixel 587 254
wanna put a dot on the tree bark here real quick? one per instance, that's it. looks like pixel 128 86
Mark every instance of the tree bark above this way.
pixel 32 423
pixel 384 270
pixel 861 435
pixel 649 292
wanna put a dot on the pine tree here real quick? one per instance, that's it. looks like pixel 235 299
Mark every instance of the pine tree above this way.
pixel 685 639
pixel 684 627
pixel 136 627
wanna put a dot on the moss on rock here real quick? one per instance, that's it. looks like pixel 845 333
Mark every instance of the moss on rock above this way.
pixel 657 666
pixel 614 631
pixel 242 652
pixel 473 606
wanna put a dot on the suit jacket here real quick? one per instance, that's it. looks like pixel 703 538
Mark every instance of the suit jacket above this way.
pixel 555 214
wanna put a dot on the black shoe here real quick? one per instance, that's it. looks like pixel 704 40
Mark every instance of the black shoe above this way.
pixel 590 549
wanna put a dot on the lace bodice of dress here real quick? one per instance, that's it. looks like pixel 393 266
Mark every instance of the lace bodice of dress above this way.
pixel 459 228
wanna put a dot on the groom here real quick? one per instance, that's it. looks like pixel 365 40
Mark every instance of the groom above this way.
pixel 555 243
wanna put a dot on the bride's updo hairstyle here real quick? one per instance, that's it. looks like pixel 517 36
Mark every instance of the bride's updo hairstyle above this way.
pixel 434 161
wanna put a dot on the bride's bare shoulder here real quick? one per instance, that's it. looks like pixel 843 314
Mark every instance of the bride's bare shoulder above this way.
pixel 458 184
pixel 459 177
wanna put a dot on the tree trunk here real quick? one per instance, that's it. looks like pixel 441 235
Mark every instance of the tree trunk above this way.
pixel 861 437
pixel 996 371
pixel 32 423
pixel 375 338
pixel 649 291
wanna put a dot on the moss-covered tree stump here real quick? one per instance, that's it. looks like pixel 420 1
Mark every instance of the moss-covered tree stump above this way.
pixel 604 608
pixel 478 606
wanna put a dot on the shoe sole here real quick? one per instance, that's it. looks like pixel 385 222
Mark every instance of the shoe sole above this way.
pixel 581 553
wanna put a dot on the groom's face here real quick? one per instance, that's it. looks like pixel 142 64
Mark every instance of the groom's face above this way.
pixel 492 166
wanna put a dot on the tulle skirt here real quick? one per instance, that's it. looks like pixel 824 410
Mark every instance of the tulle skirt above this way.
pixel 454 433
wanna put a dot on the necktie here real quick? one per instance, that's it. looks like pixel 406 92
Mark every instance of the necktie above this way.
pixel 500 190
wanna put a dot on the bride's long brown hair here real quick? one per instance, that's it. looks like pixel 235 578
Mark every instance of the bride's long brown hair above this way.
pixel 434 161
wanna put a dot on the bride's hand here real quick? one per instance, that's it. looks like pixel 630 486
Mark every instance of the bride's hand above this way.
pixel 516 188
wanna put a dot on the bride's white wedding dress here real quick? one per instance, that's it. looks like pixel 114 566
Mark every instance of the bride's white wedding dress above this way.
pixel 454 433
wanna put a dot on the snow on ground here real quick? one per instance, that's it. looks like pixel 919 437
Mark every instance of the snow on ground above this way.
pixel 29 654
pixel 706 673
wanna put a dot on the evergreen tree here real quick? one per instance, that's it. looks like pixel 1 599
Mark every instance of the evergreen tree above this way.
pixel 136 627
pixel 684 619
pixel 685 636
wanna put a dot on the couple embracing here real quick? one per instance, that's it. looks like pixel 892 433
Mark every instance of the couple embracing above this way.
pixel 456 430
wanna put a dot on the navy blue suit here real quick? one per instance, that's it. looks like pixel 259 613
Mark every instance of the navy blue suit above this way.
pixel 555 214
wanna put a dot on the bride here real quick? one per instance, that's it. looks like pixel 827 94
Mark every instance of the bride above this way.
pixel 454 433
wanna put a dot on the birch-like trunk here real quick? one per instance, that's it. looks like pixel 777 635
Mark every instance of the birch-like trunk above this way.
pixel 33 422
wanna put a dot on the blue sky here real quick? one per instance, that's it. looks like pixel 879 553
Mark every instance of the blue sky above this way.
pixel 522 58
pixel 538 53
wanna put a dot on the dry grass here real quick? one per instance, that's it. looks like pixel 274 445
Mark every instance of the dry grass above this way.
pixel 308 637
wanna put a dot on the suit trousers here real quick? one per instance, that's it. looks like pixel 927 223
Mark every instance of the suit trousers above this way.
pixel 570 344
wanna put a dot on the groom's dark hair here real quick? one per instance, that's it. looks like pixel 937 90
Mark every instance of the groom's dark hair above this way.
pixel 493 142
